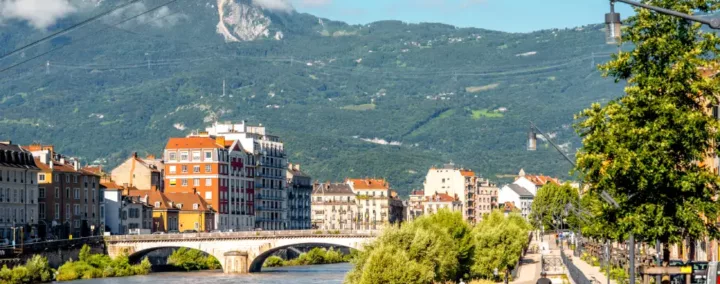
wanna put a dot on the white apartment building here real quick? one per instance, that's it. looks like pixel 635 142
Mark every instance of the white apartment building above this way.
pixel 334 207
pixel 454 182
pixel 373 202
pixel 520 197
pixel 487 198
pixel 270 187
pixel 441 201
pixel 18 191
pixel 533 182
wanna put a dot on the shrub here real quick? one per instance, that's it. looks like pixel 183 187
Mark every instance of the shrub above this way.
pixel 274 261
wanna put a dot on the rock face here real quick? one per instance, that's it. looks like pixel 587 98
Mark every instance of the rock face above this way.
pixel 242 22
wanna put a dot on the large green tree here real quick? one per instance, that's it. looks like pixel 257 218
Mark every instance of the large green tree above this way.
pixel 644 148
pixel 550 204
pixel 500 242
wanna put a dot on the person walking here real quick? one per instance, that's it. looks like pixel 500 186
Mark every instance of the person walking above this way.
pixel 543 279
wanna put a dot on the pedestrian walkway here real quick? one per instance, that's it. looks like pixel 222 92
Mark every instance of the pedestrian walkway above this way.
pixel 530 266
pixel 589 270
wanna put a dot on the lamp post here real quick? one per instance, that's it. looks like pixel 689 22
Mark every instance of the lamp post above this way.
pixel 613 23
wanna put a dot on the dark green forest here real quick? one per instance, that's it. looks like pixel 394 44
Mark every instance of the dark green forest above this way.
pixel 444 93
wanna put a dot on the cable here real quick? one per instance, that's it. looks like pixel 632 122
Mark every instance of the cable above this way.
pixel 87 36
pixel 80 24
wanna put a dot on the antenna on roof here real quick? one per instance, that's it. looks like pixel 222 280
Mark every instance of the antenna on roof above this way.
pixel 223 88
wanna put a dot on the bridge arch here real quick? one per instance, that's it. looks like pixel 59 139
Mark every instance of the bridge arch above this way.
pixel 259 260
pixel 137 256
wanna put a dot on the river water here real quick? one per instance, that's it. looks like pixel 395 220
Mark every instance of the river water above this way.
pixel 325 274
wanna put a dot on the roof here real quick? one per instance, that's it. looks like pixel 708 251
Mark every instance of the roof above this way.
pixel 58 167
pixel 153 196
pixel 369 184
pixel 540 180
pixel 95 169
pixel 440 197
pixel 467 173
pixel 298 173
pixel 192 143
pixel 417 192
pixel 187 199
pixel 509 207
pixel 332 189
pixel 521 191
pixel 109 184
pixel 15 156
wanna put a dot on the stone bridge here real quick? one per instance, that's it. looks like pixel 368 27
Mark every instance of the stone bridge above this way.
pixel 238 252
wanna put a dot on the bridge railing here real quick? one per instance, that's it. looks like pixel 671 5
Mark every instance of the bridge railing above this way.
pixel 246 235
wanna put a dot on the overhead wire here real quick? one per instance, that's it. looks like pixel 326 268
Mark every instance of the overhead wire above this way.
pixel 87 36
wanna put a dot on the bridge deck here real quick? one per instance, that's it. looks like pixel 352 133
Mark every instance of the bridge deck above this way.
pixel 243 235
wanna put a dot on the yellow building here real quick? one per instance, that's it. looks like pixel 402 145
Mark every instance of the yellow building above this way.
pixel 193 212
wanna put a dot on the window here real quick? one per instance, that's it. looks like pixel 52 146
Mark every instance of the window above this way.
pixel 197 226
pixel 57 211
pixel 195 206
pixel 41 210
pixel 77 224
pixel 172 156
pixel 208 182
pixel 77 209
pixel 75 179
pixel 67 211
pixel 196 169
pixel 67 193
pixel 41 177
pixel 183 156
pixel 208 195
pixel 157 204
pixel 173 169
pixel 184 168
pixel 196 156
pixel 173 182
pixel 77 193
pixel 86 194
pixel 67 178
pixel 196 182
pixel 41 192
pixel 102 212
pixel 208 168
pixel 208 155
pixel 57 192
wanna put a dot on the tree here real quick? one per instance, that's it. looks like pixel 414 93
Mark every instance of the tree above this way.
pixel 550 203
pixel 644 148
pixel 500 241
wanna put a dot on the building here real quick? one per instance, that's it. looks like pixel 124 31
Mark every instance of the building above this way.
pixel 164 217
pixel 533 182
pixel 70 202
pixel 135 216
pixel 373 202
pixel 518 196
pixel 18 192
pixel 398 209
pixel 142 173
pixel 455 182
pixel 487 198
pixel 415 207
pixel 269 160
pixel 300 188
pixel 334 207
pixel 195 214
pixel 442 201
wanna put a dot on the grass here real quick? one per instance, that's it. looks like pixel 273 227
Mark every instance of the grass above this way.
pixel 480 113
pixel 447 113
pixel 477 89
pixel 362 107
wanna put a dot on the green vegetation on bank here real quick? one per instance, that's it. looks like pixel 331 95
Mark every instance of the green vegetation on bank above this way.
pixel 312 257
pixel 441 248
pixel 192 259
pixel 35 270
pixel 90 266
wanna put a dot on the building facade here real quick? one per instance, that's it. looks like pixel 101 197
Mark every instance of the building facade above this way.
pixel 518 196
pixel 19 206
pixel 442 201
pixel 487 198
pixel 416 202
pixel 70 202
pixel 373 202
pixel 195 214
pixel 142 173
pixel 458 182
pixel 334 207
pixel 300 188
pixel 533 183
pixel 270 162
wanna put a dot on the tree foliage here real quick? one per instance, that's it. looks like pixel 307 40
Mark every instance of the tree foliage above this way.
pixel 36 270
pixel 645 147
pixel 192 259
pixel 550 204
pixel 441 247
pixel 90 266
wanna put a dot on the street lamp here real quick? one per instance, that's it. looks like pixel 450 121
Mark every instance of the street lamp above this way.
pixel 613 23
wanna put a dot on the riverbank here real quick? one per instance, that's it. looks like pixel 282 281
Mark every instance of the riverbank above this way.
pixel 315 256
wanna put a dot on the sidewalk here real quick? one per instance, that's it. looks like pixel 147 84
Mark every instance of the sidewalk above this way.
pixel 589 270
pixel 530 266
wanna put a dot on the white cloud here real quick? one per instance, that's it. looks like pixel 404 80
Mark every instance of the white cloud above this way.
pixel 275 5
pixel 160 18
pixel 315 3
pixel 38 13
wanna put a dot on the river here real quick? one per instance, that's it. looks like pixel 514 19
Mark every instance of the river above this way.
pixel 326 274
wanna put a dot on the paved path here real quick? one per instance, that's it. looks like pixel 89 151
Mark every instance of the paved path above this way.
pixel 589 270
pixel 530 266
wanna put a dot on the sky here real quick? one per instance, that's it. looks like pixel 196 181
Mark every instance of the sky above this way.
pixel 501 15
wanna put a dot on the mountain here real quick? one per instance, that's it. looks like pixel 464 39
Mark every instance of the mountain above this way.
pixel 386 99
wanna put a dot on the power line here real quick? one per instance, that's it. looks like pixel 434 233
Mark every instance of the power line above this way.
pixel 87 36
pixel 75 26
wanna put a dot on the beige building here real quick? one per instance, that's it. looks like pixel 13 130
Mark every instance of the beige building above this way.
pixel 487 198
pixel 142 173
pixel 415 207
pixel 440 201
pixel 18 192
pixel 373 202
pixel 455 182
pixel 333 207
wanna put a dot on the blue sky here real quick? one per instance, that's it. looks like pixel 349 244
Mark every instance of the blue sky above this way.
pixel 503 15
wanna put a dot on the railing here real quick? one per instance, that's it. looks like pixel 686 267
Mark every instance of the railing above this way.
pixel 244 235
pixel 577 275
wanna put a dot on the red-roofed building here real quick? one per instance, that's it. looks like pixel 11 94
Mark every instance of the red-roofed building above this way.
pixel 373 197
pixel 415 206
pixel 70 201
pixel 477 195
pixel 533 182
pixel 442 201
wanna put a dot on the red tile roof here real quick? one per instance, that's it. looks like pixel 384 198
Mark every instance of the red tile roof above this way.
pixel 369 184
pixel 187 200
pixel 153 196
pixel 193 143
pixel 440 197
pixel 541 180
pixel 417 192
pixel 467 173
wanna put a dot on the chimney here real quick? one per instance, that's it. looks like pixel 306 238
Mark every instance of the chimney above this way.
pixel 44 157
pixel 62 160
pixel 76 164
pixel 6 142
pixel 134 155
pixel 290 166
